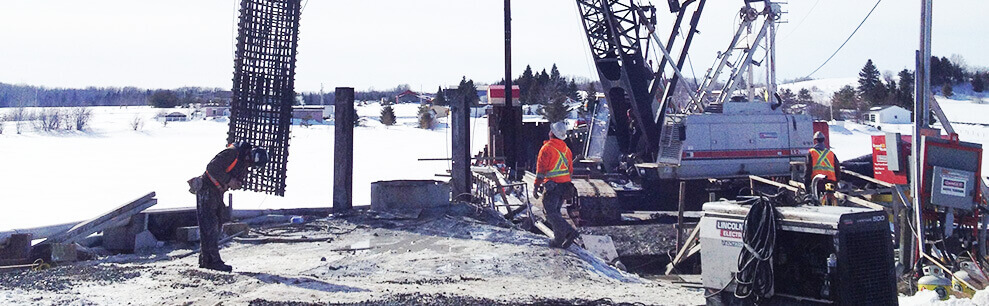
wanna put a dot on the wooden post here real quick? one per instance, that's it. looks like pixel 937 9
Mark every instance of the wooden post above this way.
pixel 229 213
pixel 460 126
pixel 343 153
pixel 683 192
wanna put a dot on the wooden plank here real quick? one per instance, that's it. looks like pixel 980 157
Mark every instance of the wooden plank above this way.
pixel 545 229
pixel 771 183
pixel 842 196
pixel 104 221
pixel 867 179
pixel 687 248
pixel 681 200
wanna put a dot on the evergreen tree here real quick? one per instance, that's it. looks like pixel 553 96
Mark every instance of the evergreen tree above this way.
pixel 947 91
pixel 554 74
pixel 978 82
pixel 845 98
pixel 426 120
pixel 440 97
pixel 572 90
pixel 871 88
pixel 387 115
pixel 804 97
pixel 525 83
pixel 556 110
pixel 904 98
pixel 467 90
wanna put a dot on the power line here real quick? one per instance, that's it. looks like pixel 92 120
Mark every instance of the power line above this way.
pixel 847 39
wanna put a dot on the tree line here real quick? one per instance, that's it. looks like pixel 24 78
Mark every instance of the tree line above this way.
pixel 883 89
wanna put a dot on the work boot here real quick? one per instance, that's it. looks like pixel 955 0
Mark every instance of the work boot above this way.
pixel 571 237
pixel 218 266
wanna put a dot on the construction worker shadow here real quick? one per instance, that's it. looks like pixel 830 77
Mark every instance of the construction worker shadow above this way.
pixel 301 282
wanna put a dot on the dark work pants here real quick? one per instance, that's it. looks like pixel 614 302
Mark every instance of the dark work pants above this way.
pixel 209 209
pixel 553 199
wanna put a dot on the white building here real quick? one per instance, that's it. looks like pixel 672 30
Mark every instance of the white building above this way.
pixel 889 115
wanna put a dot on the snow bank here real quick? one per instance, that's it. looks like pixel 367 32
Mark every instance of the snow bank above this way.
pixel 925 298
pixel 51 178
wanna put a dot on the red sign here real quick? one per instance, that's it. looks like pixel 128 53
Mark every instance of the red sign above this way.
pixel 880 162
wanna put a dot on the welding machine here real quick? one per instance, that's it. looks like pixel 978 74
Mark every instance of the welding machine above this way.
pixel 824 255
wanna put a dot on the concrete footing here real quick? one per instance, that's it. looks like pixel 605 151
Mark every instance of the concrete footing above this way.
pixel 409 194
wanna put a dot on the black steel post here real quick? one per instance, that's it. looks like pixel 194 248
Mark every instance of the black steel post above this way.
pixel 511 115
pixel 343 153
pixel 460 125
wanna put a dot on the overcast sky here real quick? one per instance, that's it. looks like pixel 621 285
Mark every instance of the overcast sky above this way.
pixel 426 43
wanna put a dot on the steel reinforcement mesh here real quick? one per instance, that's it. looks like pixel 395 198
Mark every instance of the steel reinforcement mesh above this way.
pixel 264 86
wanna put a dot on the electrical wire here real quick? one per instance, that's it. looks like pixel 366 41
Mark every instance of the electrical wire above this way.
pixel 847 39
pixel 755 277
pixel 802 20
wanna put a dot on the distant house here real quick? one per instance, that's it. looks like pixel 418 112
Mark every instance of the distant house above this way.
pixel 496 94
pixel 176 116
pixel 408 96
pixel 216 111
pixel 312 113
pixel 889 115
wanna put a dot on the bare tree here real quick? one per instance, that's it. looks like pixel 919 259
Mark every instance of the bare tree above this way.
pixel 3 122
pixel 80 117
pixel 138 123
pixel 49 119
pixel 17 115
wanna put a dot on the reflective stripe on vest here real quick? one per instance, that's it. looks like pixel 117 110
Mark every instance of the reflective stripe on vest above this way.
pixel 229 168
pixel 823 163
pixel 561 168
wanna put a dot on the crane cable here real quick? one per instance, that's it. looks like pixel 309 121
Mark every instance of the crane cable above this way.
pixel 847 39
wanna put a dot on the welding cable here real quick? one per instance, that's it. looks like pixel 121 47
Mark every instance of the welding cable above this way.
pixel 755 263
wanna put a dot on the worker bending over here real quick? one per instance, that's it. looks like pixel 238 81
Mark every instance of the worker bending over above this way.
pixel 227 170
pixel 821 161
pixel 553 169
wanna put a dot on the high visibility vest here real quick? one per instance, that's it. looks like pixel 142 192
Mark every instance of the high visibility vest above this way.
pixel 824 163
pixel 554 164
pixel 229 168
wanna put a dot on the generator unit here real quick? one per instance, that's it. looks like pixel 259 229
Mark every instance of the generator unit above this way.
pixel 824 255
pixel 744 138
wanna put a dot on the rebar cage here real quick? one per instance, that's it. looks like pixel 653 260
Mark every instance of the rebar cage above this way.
pixel 264 86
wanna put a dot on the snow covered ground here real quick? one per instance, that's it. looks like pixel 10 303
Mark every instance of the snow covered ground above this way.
pixel 50 178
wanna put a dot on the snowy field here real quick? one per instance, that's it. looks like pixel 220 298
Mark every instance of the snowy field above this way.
pixel 57 177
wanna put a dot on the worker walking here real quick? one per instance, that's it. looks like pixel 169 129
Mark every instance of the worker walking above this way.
pixel 821 161
pixel 553 169
pixel 226 171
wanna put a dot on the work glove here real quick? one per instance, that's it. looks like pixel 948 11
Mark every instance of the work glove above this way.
pixel 539 190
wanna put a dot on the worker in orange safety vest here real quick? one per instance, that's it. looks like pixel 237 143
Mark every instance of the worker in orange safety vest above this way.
pixel 554 165
pixel 821 161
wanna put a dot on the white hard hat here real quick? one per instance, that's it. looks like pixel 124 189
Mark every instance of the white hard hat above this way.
pixel 559 130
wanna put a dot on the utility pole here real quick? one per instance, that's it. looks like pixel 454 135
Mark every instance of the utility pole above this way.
pixel 510 120
pixel 920 114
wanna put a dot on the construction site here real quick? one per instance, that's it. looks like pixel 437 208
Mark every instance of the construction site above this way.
pixel 686 190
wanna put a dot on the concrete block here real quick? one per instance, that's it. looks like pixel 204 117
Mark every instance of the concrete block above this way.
pixel 17 247
pixel 187 234
pixel 121 239
pixel 234 228
pixel 145 242
pixel 409 194
pixel 63 252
